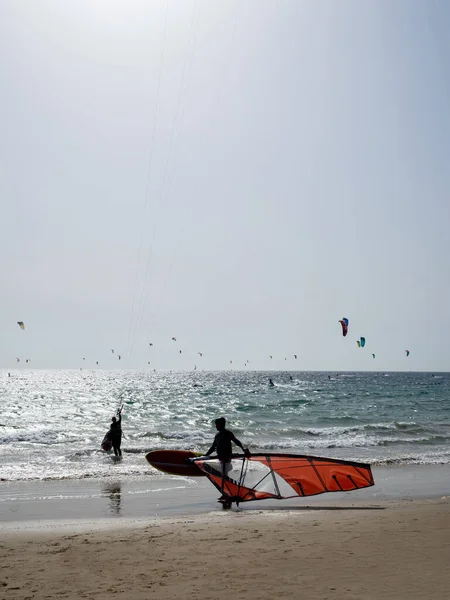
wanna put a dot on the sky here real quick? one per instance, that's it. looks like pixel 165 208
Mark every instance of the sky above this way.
pixel 237 174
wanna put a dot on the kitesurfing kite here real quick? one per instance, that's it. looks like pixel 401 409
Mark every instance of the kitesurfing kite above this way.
pixel 361 342
pixel 295 356
pixel 112 350
pixel 119 357
pixel 150 344
pixel 344 323
pixel 174 339
pixel 279 476
pixel 199 353
pixel 21 324
pixel 407 352
pixel 373 355
pixel 17 359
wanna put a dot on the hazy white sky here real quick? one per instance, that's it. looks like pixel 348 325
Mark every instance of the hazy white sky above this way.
pixel 238 174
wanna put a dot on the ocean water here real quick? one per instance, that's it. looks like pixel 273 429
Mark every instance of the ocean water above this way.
pixel 52 422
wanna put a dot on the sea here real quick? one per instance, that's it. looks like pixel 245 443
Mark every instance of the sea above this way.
pixel 52 422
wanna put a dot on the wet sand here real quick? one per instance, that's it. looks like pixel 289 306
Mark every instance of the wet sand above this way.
pixel 35 503
pixel 389 549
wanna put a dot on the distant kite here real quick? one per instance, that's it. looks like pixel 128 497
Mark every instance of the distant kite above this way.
pixel 373 355
pixel 174 339
pixel 295 356
pixel 112 350
pixel 200 353
pixel 21 324
pixel 96 362
pixel 407 352
pixel 180 351
pixel 17 359
pixel 344 323
pixel 361 342
pixel 119 357
pixel 270 356
pixel 150 344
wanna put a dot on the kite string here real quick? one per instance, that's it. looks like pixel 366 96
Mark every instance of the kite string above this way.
pixel 150 163
pixel 167 179
pixel 187 207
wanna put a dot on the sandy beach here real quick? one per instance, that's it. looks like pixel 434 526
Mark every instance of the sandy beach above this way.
pixel 389 549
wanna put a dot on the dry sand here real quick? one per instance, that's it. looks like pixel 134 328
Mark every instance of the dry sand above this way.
pixel 389 551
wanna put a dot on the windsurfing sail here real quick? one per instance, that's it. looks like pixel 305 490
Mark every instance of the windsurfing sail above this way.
pixel 280 476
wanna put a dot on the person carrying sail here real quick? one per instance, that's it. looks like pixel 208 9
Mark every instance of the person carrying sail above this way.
pixel 115 432
pixel 222 442
pixel 222 445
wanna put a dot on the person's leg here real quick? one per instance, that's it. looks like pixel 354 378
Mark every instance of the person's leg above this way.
pixel 225 467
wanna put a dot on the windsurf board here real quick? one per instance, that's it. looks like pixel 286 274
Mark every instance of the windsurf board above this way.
pixel 175 462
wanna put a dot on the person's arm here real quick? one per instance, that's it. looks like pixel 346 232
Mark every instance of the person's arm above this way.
pixel 238 443
pixel 211 450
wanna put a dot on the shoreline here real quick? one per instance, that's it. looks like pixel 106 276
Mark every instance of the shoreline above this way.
pixel 35 505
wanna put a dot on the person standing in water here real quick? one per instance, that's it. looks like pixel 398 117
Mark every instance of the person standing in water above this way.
pixel 115 432
pixel 271 383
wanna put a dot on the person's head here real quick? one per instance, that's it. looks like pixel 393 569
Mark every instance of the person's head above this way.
pixel 220 423
pixel 114 419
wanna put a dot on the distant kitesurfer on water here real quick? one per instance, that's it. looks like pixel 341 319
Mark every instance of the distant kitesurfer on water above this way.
pixel 290 377
pixel 271 383
pixel 115 432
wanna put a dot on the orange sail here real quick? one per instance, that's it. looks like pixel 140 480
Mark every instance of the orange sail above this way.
pixel 280 476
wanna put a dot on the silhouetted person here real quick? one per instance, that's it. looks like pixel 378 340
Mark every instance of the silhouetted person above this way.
pixel 115 432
